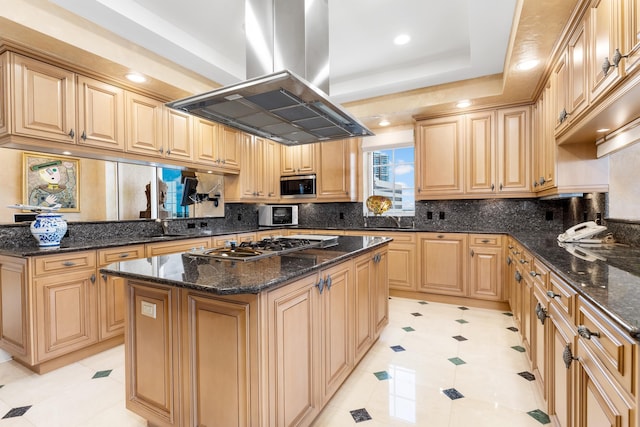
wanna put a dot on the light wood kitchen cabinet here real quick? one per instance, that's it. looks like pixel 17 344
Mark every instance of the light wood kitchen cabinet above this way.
pixel 337 305
pixel 258 180
pixel 111 290
pixel 402 261
pixel 44 100
pixel 229 148
pixel 143 118
pixel 298 159
pixel 514 150
pixel 336 171
pixel 218 332
pixel 5 84
pixel 544 143
pixel 152 358
pixel 481 153
pixel 15 307
pixel 443 263
pixel 66 303
pixel 439 157
pixel 214 146
pixel 605 36
pixel 101 114
pixel 577 95
pixel 178 134
pixel 632 34
pixel 365 297
pixel 380 269
pixel 486 267
pixel 175 246
pixel 539 346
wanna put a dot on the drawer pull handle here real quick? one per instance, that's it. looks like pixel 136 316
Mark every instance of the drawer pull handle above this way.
pixel 485 240
pixel 320 285
pixel 93 278
pixel 440 236
pixel 68 263
pixel 518 276
pixel 567 356
pixel 523 261
pixel 534 273
pixel 124 255
pixel 104 276
pixel 510 246
pixel 472 253
pixel 509 260
pixel 585 333
pixel 329 282
pixel 541 313
pixel 552 294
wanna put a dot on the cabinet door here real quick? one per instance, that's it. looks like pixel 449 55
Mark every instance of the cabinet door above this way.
pixel 229 148
pixel 402 266
pixel 562 339
pixel 439 157
pixel 443 263
pixel 144 125
pixel 481 155
pixel 381 277
pixel 100 114
pixel 299 159
pixel 5 84
pixel 632 34
pixel 604 39
pixel 560 82
pixel 216 333
pixel 66 313
pixel 271 169
pixel 514 151
pixel 485 273
pixel 334 171
pixel 337 304
pixel 365 298
pixel 293 375
pixel 251 168
pixel 44 100
pixel 577 56
pixel 14 307
pixel 205 137
pixel 151 360
pixel 178 137
pixel 540 330
pixel 111 300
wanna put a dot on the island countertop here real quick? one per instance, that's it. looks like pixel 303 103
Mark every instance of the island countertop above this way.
pixel 227 277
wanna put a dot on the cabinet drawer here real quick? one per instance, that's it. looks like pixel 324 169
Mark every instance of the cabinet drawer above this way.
pixel 398 237
pixel 485 240
pixel 164 248
pixel 540 273
pixel 108 256
pixel 562 295
pixel 611 345
pixel 64 262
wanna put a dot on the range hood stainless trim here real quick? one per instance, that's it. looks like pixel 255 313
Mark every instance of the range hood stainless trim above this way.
pixel 280 106
pixel 290 41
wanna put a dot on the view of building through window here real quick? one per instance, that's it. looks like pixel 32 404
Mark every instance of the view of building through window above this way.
pixel 392 175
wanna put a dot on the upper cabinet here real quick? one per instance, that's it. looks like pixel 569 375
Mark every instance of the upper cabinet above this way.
pixel 605 29
pixel 144 125
pixel 100 114
pixel 336 171
pixel 632 35
pixel 485 153
pixel 4 87
pixel 44 100
pixel 178 134
pixel 299 159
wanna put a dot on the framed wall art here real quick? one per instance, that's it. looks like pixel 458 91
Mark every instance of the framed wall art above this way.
pixel 51 180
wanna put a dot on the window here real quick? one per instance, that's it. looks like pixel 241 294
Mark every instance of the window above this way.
pixel 390 173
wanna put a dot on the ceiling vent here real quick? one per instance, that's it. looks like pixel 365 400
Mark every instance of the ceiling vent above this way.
pixel 285 97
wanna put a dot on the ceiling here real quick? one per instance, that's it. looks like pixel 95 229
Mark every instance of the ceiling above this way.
pixel 458 49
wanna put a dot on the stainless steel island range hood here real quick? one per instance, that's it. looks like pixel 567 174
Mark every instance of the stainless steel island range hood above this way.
pixel 281 105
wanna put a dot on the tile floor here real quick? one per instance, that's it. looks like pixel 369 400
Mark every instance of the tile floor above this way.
pixel 435 365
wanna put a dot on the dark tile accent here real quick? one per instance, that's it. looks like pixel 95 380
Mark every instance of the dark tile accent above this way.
pixel 416 314
pixel 463 308
pixel 527 375
pixel 508 314
pixel 457 361
pixel 513 328
pixel 540 416
pixel 452 393
pixel 459 338
pixel 16 412
pixel 101 374
pixel 360 415
pixel 397 348
pixel 462 321
pixel 519 348
pixel 382 375
pixel 423 302
pixel 408 329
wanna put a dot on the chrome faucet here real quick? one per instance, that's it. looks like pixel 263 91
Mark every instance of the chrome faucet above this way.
pixel 164 223
pixel 395 219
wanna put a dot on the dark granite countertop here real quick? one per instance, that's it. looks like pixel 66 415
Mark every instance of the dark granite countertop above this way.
pixel 611 283
pixel 240 277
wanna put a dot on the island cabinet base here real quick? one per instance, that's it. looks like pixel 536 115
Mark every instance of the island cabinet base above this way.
pixel 275 358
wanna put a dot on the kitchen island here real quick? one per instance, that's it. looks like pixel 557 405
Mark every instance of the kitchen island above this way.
pixel 265 342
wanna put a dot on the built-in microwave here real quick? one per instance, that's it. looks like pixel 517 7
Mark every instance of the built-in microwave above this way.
pixel 298 186
pixel 275 215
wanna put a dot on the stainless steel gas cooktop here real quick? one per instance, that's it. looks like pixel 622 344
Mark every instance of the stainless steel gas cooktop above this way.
pixel 250 251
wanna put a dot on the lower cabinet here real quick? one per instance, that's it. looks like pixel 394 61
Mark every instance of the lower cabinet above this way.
pixel 443 263
pixel 485 267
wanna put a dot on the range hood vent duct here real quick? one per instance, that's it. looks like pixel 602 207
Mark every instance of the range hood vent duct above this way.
pixel 291 37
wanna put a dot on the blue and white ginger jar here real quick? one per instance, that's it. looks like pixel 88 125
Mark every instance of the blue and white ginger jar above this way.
pixel 49 229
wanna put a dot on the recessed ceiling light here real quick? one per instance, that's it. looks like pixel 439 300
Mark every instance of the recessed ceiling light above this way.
pixel 527 65
pixel 66 153
pixel 384 122
pixel 463 104
pixel 136 78
pixel 402 39
pixel 603 130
